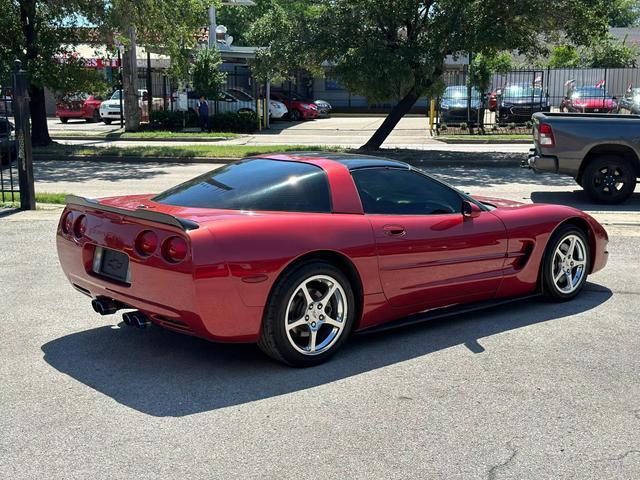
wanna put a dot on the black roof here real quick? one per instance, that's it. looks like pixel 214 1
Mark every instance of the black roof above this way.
pixel 354 161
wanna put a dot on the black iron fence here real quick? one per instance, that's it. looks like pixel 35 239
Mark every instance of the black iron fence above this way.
pixel 509 101
pixel 9 185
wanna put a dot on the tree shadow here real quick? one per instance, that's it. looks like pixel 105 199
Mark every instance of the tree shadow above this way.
pixel 579 199
pixel 161 373
pixel 81 171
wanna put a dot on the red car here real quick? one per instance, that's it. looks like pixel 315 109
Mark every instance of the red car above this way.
pixel 588 100
pixel 297 251
pixel 80 106
pixel 298 109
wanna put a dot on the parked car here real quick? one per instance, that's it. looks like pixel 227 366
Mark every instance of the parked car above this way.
pixel 630 103
pixel 79 106
pixel 518 102
pixel 454 105
pixel 588 100
pixel 277 110
pixel 297 251
pixel 299 109
pixel 8 151
pixel 493 99
pixel 601 152
pixel 110 109
pixel 226 102
pixel 324 108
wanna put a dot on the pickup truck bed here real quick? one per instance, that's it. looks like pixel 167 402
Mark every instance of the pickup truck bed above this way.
pixel 600 151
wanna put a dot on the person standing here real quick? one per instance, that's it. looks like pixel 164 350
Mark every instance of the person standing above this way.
pixel 203 113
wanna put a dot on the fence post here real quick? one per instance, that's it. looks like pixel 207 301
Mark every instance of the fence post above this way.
pixel 23 138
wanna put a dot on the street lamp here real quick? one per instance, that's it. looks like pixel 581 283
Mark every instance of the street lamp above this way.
pixel 212 16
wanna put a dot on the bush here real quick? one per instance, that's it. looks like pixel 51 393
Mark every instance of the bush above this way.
pixel 168 120
pixel 235 122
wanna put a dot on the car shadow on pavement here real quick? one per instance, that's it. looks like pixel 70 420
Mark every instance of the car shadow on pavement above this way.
pixel 579 199
pixel 162 373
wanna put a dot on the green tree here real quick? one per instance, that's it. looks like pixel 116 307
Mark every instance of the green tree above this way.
pixel 564 56
pixel 39 33
pixel 388 50
pixel 166 26
pixel 611 53
pixel 481 71
pixel 624 13
pixel 207 78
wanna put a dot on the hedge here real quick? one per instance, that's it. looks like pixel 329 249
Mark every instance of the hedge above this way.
pixel 235 122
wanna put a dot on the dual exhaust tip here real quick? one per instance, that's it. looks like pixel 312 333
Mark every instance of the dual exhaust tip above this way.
pixel 106 306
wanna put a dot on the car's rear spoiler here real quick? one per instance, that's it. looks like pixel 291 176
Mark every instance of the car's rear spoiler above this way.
pixel 143 214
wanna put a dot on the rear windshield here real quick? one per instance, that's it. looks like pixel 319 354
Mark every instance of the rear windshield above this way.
pixel 255 184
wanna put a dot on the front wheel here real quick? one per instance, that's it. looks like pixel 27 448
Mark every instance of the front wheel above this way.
pixel 295 115
pixel 64 119
pixel 107 121
pixel 609 179
pixel 309 315
pixel 566 264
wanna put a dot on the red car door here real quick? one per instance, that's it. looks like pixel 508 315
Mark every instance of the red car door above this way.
pixel 429 254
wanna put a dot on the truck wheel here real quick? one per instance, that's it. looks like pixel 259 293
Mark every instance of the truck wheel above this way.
pixel 609 179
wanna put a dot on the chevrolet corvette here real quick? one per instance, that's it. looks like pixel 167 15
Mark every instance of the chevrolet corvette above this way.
pixel 298 251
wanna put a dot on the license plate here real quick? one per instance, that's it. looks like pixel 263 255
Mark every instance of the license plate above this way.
pixel 111 264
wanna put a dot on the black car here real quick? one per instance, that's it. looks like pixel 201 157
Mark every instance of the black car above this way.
pixel 7 142
pixel 630 103
pixel 455 107
pixel 518 102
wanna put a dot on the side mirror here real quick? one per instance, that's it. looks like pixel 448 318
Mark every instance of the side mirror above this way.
pixel 470 210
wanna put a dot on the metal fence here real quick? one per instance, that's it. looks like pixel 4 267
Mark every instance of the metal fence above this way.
pixel 511 99
pixel 9 185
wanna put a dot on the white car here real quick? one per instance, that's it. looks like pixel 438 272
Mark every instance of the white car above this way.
pixel 276 109
pixel 110 109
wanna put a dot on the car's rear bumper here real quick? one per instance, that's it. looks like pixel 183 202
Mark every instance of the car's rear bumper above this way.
pixel 200 301
pixel 540 163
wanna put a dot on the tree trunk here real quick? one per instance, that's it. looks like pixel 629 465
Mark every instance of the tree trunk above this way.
pixel 130 92
pixel 396 114
pixel 39 128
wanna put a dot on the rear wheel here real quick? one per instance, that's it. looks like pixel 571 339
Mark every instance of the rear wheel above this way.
pixel 64 119
pixel 609 179
pixel 309 315
pixel 295 115
pixel 566 263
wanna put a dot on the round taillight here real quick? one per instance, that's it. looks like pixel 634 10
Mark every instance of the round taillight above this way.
pixel 80 226
pixel 174 249
pixel 146 243
pixel 67 222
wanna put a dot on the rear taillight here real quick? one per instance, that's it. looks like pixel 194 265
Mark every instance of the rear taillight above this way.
pixel 546 138
pixel 80 226
pixel 67 222
pixel 174 249
pixel 146 243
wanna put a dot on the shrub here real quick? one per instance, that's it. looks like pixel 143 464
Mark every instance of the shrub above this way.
pixel 236 122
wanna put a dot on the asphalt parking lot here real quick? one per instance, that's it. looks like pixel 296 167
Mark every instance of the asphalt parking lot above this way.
pixel 529 390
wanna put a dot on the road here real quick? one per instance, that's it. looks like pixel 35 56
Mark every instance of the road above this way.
pixel 532 390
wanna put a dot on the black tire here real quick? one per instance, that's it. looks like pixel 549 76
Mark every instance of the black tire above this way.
pixel 64 119
pixel 274 340
pixel 95 117
pixel 550 265
pixel 295 115
pixel 107 121
pixel 609 179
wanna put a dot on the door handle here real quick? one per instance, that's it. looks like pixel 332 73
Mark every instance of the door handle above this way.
pixel 394 230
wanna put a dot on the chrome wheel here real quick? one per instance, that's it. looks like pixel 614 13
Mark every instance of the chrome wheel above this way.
pixel 569 264
pixel 316 315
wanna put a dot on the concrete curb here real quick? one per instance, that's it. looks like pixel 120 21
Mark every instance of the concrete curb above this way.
pixel 483 141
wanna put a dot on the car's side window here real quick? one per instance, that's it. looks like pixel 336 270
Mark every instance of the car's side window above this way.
pixel 396 191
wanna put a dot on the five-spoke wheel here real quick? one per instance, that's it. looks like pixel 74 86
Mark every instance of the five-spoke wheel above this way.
pixel 566 263
pixel 310 313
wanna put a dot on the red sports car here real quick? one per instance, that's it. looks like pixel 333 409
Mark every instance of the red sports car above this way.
pixel 297 251
pixel 298 109
pixel 589 100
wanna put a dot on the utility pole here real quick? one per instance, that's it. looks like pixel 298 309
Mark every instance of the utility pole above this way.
pixel 23 137
pixel 130 91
